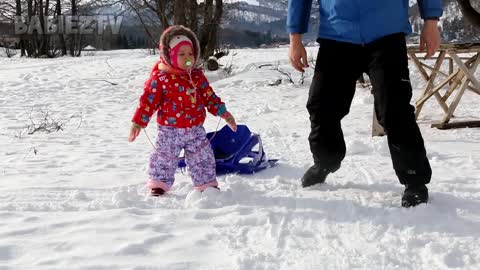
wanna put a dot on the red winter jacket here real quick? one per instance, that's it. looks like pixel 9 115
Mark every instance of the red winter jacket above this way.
pixel 180 102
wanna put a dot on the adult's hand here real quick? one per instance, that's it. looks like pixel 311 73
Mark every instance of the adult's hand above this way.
pixel 430 38
pixel 297 53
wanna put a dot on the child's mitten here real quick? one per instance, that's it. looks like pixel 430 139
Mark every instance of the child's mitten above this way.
pixel 134 131
pixel 230 120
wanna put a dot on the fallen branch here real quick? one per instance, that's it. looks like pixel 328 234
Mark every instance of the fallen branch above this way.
pixel 46 124
pixel 265 65
pixel 287 74
pixel 102 80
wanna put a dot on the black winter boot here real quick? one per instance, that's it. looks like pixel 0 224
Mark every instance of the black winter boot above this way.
pixel 314 175
pixel 414 195
pixel 157 192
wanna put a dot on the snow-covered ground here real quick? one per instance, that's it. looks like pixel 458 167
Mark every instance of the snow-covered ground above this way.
pixel 75 199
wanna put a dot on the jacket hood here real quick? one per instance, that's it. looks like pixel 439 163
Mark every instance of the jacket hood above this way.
pixel 168 35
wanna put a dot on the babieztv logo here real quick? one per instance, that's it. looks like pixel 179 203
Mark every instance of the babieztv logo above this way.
pixel 67 24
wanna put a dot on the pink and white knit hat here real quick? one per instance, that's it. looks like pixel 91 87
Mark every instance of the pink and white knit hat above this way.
pixel 175 44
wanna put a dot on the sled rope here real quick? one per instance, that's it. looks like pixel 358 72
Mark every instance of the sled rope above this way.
pixel 148 137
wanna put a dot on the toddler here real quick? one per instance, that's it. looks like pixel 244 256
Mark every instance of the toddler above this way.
pixel 180 93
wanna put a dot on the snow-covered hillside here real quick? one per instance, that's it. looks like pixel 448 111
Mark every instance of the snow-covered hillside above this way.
pixel 270 15
pixel 75 199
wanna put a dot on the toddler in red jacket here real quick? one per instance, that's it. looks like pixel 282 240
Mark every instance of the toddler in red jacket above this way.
pixel 180 93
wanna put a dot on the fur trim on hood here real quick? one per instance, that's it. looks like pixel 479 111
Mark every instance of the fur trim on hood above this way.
pixel 167 36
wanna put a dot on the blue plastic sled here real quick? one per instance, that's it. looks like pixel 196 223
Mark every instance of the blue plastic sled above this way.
pixel 234 151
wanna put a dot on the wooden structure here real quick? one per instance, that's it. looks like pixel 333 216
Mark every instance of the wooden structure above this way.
pixel 460 77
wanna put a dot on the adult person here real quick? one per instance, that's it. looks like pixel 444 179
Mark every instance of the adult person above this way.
pixel 355 37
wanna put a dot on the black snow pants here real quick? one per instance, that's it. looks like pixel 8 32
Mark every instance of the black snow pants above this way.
pixel 337 69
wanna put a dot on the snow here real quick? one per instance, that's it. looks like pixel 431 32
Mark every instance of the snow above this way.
pixel 89 48
pixel 75 199
pixel 250 2
pixel 249 16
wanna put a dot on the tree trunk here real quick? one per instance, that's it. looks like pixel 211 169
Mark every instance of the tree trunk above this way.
pixel 36 42
pixel 192 21
pixel 472 15
pixel 42 46
pixel 18 12
pixel 212 19
pixel 45 37
pixel 61 38
pixel 217 18
pixel 79 46
pixel 72 36
pixel 179 12
pixel 28 40
pixel 207 24
pixel 47 5
pixel 162 13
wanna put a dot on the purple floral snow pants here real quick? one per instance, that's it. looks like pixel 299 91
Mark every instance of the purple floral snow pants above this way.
pixel 198 156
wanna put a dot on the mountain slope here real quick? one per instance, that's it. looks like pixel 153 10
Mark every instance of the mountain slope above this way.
pixel 270 15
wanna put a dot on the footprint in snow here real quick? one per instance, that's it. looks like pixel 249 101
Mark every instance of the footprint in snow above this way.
pixel 205 199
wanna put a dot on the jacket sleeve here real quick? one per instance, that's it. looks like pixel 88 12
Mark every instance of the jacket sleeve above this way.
pixel 149 101
pixel 430 8
pixel 211 101
pixel 299 15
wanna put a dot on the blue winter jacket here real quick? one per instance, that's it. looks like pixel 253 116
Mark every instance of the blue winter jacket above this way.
pixel 358 21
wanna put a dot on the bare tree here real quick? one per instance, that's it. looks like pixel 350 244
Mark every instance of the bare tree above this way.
pixel 204 18
pixel 150 25
pixel 7 10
